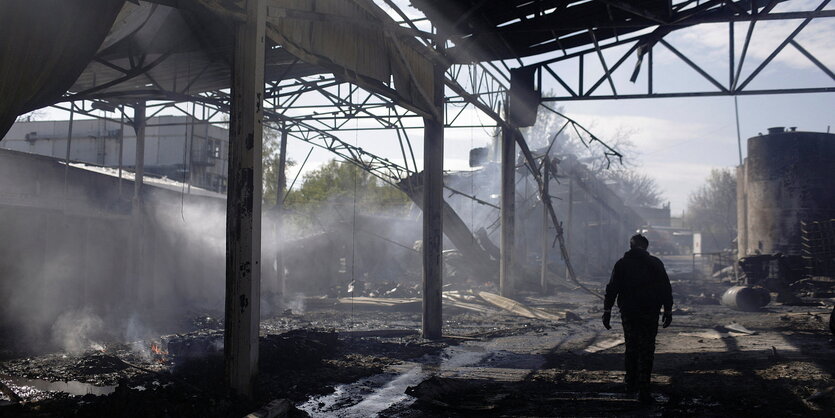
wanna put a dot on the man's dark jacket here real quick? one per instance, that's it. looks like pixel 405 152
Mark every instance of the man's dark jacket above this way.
pixel 640 284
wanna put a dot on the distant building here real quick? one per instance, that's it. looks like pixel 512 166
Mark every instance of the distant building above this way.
pixel 654 216
pixel 177 147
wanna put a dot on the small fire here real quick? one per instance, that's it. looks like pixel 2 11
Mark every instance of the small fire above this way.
pixel 157 350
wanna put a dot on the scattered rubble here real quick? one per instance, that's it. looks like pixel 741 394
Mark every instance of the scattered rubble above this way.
pixel 312 353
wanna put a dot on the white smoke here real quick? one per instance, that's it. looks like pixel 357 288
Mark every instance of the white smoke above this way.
pixel 77 331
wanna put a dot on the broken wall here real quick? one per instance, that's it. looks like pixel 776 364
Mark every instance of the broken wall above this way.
pixel 69 244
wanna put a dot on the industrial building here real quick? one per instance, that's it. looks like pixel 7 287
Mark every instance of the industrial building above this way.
pixel 176 147
pixel 157 260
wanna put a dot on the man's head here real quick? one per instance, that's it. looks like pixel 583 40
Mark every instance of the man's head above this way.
pixel 639 241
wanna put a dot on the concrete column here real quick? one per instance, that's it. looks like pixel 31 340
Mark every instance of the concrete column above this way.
pixel 508 212
pixel 433 199
pixel 243 216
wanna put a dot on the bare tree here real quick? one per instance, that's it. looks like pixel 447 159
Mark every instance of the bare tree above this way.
pixel 635 188
pixel 712 209
pixel 552 132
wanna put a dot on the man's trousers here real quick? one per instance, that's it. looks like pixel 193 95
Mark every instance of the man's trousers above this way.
pixel 639 330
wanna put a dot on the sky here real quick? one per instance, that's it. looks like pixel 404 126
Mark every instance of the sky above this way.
pixel 676 141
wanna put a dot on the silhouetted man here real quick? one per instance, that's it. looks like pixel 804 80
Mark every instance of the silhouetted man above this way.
pixel 641 287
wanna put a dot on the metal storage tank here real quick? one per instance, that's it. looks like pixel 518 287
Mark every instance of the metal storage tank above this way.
pixel 789 177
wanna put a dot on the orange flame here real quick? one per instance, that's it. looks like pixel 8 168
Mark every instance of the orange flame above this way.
pixel 157 350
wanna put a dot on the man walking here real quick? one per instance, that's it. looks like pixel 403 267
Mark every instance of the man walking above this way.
pixel 641 287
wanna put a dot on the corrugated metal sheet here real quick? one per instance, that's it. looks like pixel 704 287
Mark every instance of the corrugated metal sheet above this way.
pixel 154 50
pixel 194 48
pixel 354 39
pixel 42 50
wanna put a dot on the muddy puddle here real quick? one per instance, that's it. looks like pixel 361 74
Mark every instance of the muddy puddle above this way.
pixel 30 389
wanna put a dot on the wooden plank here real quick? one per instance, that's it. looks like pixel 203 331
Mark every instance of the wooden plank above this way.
pixel 9 393
pixel 243 218
pixel 275 409
pixel 604 345
pixel 517 308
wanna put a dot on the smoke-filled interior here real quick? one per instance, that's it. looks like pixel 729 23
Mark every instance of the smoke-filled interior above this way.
pixel 392 208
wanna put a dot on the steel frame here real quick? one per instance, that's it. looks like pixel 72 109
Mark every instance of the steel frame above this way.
pixel 312 109
pixel 643 43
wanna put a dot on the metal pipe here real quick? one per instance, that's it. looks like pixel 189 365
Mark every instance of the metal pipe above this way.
pixel 745 298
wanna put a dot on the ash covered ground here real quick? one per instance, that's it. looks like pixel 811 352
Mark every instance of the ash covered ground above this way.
pixel 339 357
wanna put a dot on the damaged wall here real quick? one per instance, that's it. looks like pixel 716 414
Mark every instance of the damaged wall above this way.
pixel 69 264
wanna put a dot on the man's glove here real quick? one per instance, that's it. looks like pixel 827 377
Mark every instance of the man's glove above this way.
pixel 666 319
pixel 607 317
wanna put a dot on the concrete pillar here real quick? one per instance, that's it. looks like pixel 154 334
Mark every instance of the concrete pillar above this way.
pixel 508 212
pixel 243 216
pixel 433 199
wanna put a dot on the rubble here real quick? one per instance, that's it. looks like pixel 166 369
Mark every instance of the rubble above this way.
pixel 6 390
pixel 704 368
pixel 438 393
